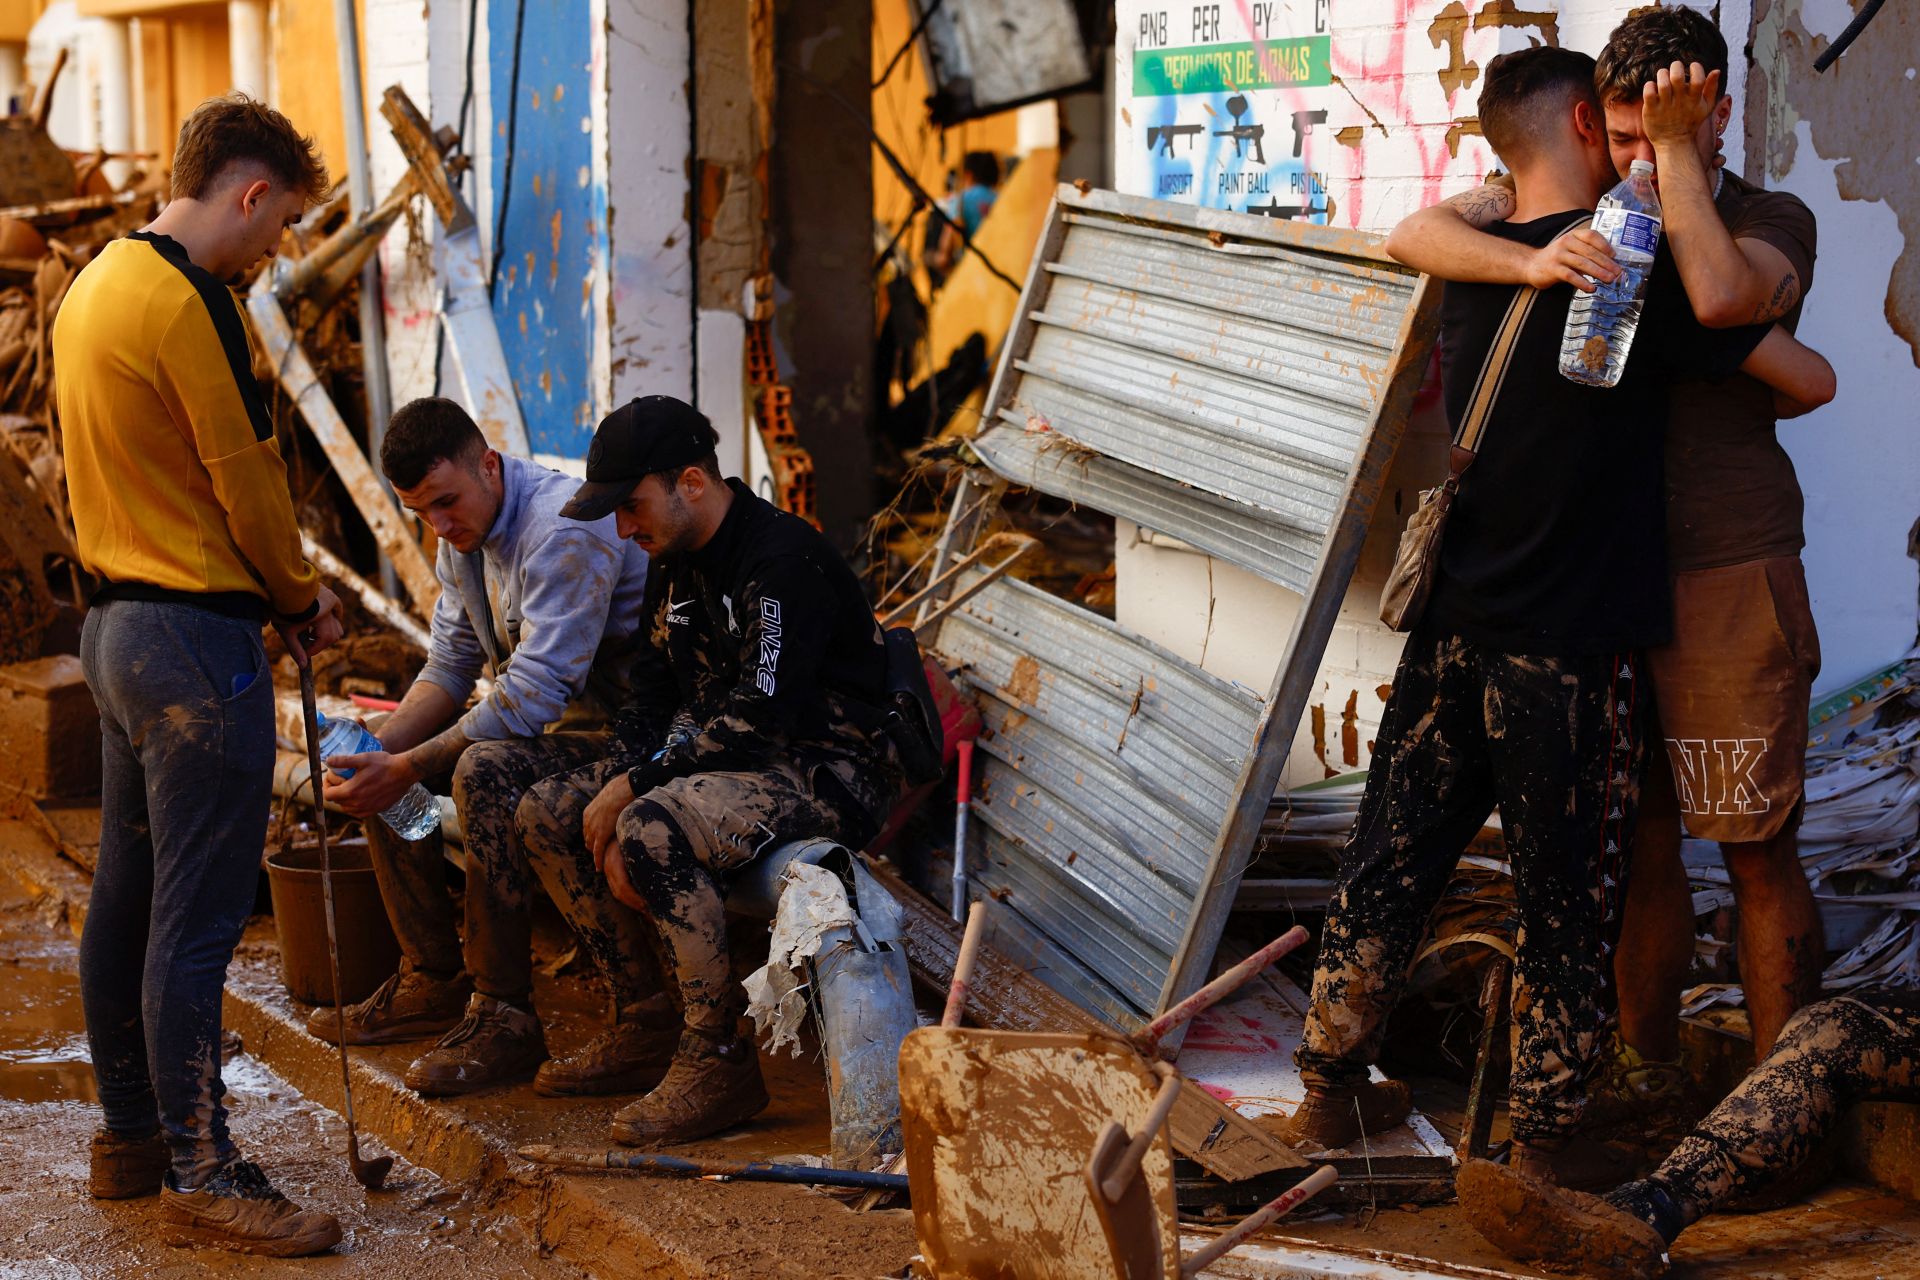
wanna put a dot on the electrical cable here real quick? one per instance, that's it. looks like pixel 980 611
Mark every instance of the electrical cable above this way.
pixel 505 194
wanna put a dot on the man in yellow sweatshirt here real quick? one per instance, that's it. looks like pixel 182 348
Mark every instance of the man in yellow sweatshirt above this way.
pixel 180 507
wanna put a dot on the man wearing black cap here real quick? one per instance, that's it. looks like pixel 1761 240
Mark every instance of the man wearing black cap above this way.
pixel 755 720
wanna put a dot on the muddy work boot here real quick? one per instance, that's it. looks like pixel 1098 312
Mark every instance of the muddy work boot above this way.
pixel 712 1085
pixel 237 1208
pixel 410 1005
pixel 1331 1118
pixel 1534 1221
pixel 631 1056
pixel 1580 1161
pixel 122 1168
pixel 494 1044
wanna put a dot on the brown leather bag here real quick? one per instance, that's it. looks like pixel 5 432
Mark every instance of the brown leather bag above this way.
pixel 1417 562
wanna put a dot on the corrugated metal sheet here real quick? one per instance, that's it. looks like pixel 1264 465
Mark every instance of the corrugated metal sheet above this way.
pixel 1242 375
pixel 1250 537
pixel 1237 383
pixel 1113 765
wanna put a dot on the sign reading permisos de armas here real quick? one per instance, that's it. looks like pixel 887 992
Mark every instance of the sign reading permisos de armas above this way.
pixel 1225 105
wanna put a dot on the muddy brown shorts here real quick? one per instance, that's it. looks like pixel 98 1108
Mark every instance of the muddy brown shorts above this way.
pixel 1732 691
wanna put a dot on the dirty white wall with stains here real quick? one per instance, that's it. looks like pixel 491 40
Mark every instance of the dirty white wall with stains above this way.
pixel 1401 102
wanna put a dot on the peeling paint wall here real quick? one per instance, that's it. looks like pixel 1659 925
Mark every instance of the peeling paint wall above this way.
pixel 1401 101
pixel 1848 143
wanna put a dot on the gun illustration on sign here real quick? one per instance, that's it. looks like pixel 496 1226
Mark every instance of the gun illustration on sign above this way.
pixel 1243 133
pixel 1287 212
pixel 1164 136
pixel 1303 121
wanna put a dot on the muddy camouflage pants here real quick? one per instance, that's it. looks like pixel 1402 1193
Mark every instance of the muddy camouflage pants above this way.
pixel 1555 743
pixel 1840 1051
pixel 487 785
pixel 677 843
pixel 186 729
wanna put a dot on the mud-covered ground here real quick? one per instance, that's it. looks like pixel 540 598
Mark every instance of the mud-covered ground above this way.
pixel 51 1230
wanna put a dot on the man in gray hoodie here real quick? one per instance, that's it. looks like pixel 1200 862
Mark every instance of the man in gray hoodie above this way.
pixel 549 606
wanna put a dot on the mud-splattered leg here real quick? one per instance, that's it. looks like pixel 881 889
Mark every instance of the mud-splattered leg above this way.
pixel 1428 791
pixel 488 784
pixel 1830 1055
pixel 191 692
pixel 413 889
pixel 623 946
pixel 1565 736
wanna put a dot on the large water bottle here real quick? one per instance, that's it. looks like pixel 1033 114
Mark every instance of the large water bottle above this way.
pixel 414 814
pixel 1600 325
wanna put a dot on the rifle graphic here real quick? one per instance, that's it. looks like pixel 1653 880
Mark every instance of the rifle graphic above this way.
pixel 1286 212
pixel 1165 135
pixel 1303 121
pixel 1243 133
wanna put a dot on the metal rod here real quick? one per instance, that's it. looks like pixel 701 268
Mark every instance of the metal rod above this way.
pixel 963 965
pixel 742 1170
pixel 1495 992
pixel 373 326
pixel 1308 1187
pixel 962 807
pixel 1206 997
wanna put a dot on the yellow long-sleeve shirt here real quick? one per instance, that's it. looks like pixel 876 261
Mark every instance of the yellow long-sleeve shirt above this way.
pixel 173 473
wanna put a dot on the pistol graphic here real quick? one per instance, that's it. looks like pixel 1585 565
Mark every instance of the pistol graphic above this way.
pixel 1303 121
pixel 1243 133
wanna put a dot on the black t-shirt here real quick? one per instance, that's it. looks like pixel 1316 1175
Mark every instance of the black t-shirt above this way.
pixel 1555 544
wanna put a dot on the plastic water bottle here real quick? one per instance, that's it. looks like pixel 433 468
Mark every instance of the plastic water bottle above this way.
pixel 1601 324
pixel 414 814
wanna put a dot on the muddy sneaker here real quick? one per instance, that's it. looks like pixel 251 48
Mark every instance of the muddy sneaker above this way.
pixel 712 1085
pixel 631 1056
pixel 494 1044
pixel 1332 1118
pixel 410 1005
pixel 1534 1221
pixel 237 1208
pixel 1582 1162
pixel 122 1167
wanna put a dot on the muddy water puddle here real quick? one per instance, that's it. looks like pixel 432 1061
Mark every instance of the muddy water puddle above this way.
pixel 50 1227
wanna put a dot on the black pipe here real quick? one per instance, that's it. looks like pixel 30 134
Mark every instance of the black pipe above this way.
pixel 1846 37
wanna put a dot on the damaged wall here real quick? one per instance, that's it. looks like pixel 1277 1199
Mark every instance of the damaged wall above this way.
pixel 1400 93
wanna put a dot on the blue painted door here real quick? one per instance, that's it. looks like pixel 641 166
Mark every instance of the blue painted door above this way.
pixel 546 214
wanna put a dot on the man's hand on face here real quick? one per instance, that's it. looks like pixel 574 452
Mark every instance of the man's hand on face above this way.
pixel 1577 258
pixel 379 780
pixel 1677 102
pixel 602 815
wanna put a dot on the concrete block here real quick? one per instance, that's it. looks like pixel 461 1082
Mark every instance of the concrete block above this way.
pixel 49 729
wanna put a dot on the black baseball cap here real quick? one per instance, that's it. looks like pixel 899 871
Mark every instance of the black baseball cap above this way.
pixel 642 436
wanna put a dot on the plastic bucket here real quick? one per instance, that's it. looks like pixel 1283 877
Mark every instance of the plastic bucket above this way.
pixel 368 952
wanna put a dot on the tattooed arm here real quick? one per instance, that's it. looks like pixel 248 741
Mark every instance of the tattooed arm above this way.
pixel 1446 240
pixel 1729 281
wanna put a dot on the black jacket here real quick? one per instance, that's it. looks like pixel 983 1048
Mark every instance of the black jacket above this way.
pixel 760 643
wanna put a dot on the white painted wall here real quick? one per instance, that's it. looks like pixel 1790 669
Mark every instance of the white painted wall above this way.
pixel 1859 459
pixel 642 130
pixel 397 36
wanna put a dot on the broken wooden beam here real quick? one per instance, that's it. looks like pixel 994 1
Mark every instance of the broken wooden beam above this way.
pixel 1004 995
pixel 296 374
pixel 372 599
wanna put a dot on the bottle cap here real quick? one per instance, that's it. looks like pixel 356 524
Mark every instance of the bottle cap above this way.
pixel 1641 167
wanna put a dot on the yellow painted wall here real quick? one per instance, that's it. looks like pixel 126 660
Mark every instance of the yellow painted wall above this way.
pixel 17 18
pixel 900 118
pixel 307 74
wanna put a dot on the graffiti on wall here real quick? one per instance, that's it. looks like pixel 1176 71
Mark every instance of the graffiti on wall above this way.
pixel 1225 105
pixel 1350 112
